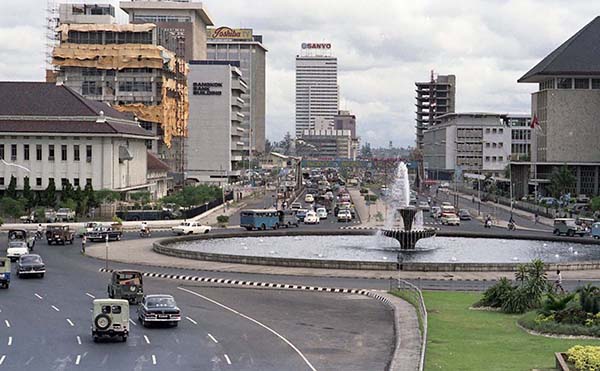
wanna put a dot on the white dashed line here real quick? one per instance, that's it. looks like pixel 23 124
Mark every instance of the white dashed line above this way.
pixel 55 308
pixel 78 340
pixel 90 295
pixel 227 359
pixel 9 340
pixel 2 359
pixel 213 339
pixel 153 359
pixel 7 323
pixel 78 359
pixel 38 296
pixel 147 340
pixel 311 367
pixel 70 322
pixel 191 320
pixel 132 322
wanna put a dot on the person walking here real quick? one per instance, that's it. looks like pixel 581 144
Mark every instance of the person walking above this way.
pixel 535 217
pixel 558 282
pixel 83 242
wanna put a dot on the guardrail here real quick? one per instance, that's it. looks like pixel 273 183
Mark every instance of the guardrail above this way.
pixel 414 296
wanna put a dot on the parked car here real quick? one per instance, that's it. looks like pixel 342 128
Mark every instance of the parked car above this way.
pixel 567 226
pixel 295 205
pixel 126 284
pixel 50 215
pixel 158 309
pixel 30 264
pixel 59 234
pixel 287 218
pixel 311 218
pixel 87 228
pixel 322 213
pixel 99 233
pixel 110 318
pixel 4 272
pixel 435 212
pixel 596 230
pixel 31 218
pixel 309 198
pixel 344 216
pixel 191 228
pixel 15 249
pixel 464 214
pixel 450 219
pixel 423 205
pixel 301 214
pixel 583 199
pixel 65 214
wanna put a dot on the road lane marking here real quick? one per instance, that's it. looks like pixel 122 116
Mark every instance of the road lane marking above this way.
pixel 70 322
pixel 213 339
pixel 153 359
pixel 227 359
pixel 78 359
pixel 78 340
pixel 7 323
pixel 254 321
pixel 9 340
pixel 132 322
pixel 147 340
pixel 90 295
pixel 55 308
pixel 191 320
pixel 38 296
pixel 2 359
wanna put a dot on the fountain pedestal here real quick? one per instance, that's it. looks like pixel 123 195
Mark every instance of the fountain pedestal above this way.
pixel 408 237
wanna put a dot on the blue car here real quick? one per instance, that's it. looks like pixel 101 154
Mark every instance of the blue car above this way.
pixel 596 230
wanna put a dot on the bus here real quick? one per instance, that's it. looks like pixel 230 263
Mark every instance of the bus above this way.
pixel 259 219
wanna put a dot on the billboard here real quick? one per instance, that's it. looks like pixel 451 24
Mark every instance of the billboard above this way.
pixel 226 33
pixel 316 46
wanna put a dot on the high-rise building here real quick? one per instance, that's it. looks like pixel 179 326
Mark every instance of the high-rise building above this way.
pixel 185 18
pixel 345 120
pixel 317 91
pixel 435 97
pixel 227 44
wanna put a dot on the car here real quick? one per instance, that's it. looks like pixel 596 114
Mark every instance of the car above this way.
pixel 99 233
pixel 450 219
pixel 301 214
pixel 309 198
pixel 344 216
pixel 287 218
pixel 296 206
pixel 59 234
pixel 158 309
pixel 445 185
pixel 435 212
pixel 15 249
pixel 311 218
pixel 126 284
pixel 567 226
pixel 464 214
pixel 191 228
pixel 64 214
pixel 548 201
pixel 423 205
pixel 4 272
pixel 110 318
pixel 30 264
pixel 87 228
pixel 322 213
pixel 31 218
pixel 583 199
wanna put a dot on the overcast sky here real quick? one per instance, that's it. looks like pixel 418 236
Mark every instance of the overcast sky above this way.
pixel 382 46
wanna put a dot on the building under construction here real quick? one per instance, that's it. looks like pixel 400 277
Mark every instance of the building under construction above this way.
pixel 137 68
pixel 435 97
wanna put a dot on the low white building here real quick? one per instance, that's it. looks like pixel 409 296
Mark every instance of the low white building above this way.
pixel 49 132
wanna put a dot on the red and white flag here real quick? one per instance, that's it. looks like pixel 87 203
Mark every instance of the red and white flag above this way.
pixel 535 124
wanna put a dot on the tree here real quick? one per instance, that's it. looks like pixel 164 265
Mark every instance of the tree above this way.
pixel 365 151
pixel 286 144
pixel 561 180
pixel 28 194
pixel 142 197
pixel 11 191
pixel 12 207
pixel 49 197
pixel 88 192
pixel 68 192
pixel 596 203
pixel 106 196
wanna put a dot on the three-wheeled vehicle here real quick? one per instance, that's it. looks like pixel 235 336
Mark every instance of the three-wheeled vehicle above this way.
pixel 21 235
pixel 596 230
pixel 287 218
pixel 4 272
pixel 110 319
pixel 126 284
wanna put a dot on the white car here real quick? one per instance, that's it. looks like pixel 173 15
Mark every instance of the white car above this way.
pixel 423 205
pixel 344 216
pixel 309 198
pixel 322 213
pixel 311 218
pixel 450 219
pixel 296 206
pixel 191 228
pixel 16 249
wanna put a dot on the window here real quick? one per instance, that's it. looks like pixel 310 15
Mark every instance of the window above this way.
pixel 2 151
pixel 38 152
pixel 88 181
pixel 63 182
pixel 582 83
pixel 487 158
pixel 563 83
pixel 500 144
pixel 90 88
pixel 494 145
pixel 493 158
pixel 500 131
pixel 88 153
pixel 63 152
pixel 76 152
pixel 38 182
pixel 501 158
pixel 51 152
pixel 13 152
pixel 487 145
pixel 26 152
pixel 76 182
pixel 494 131
pixel 1 181
pixel 487 130
pixel 596 84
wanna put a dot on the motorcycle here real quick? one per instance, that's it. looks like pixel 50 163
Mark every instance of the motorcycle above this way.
pixel 488 223
pixel 145 233
pixel 512 226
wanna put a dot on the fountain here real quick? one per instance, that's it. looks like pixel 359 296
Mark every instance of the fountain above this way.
pixel 409 232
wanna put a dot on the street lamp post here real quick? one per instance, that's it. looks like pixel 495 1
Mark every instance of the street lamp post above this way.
pixel 106 254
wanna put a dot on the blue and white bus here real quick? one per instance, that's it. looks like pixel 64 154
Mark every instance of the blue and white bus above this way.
pixel 259 219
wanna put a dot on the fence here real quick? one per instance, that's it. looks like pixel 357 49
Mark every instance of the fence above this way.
pixel 413 295
pixel 190 213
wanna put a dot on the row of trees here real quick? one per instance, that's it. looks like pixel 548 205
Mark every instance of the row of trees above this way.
pixel 194 195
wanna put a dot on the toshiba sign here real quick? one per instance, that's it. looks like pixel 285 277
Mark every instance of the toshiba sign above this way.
pixel 316 46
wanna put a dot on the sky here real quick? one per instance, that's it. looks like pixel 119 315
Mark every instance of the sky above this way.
pixel 382 46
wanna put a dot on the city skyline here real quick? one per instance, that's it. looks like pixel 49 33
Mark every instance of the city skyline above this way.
pixel 378 63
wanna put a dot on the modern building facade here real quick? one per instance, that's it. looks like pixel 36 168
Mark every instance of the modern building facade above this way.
pixel 566 107
pixel 471 142
pixel 520 129
pixel 333 144
pixel 87 13
pixel 242 45
pixel 185 18
pixel 435 97
pixel 214 147
pixel 345 120
pixel 50 133
pixel 317 91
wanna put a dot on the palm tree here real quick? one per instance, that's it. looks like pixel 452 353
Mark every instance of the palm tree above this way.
pixel 561 180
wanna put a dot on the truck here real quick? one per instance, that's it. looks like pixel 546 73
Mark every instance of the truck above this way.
pixel 135 215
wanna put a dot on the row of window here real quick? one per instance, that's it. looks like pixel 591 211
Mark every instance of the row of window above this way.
pixel 570 83
pixel 494 145
pixel 494 158
pixel 50 152
pixel 494 130
pixel 63 182
pixel 110 37
pixel 523 134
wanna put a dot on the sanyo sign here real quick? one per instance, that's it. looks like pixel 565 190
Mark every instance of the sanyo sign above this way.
pixel 316 46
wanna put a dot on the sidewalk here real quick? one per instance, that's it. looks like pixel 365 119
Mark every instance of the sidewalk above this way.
pixel 368 214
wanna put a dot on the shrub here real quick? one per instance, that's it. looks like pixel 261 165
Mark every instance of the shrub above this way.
pixel 370 197
pixel 519 300
pixel 589 298
pixel 496 295
pixel 571 316
pixel 364 190
pixel 554 303
pixel 223 219
pixel 585 357
pixel 117 220
pixel 547 325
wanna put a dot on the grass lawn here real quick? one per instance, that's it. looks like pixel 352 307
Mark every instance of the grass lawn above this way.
pixel 463 339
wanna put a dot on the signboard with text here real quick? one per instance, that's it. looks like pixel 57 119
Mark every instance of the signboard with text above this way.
pixel 226 33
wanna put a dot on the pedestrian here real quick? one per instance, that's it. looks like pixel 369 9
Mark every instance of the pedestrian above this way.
pixel 83 242
pixel 473 200
pixel 535 217
pixel 558 283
